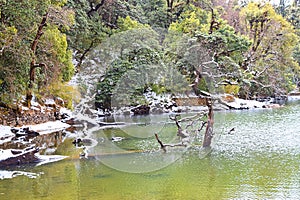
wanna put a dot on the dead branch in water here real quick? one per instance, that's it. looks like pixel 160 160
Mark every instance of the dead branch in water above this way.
pixel 230 131
pixel 163 146
pixel 184 133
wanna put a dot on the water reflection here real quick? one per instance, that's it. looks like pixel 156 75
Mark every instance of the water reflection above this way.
pixel 260 160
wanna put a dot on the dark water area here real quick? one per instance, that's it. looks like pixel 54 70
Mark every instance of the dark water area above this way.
pixel 260 159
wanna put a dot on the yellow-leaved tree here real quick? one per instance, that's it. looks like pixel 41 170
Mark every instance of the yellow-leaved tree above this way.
pixel 268 64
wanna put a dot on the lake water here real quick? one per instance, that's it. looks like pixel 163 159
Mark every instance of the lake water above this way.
pixel 259 160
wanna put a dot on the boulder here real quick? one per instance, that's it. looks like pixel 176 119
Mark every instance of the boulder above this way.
pixel 141 110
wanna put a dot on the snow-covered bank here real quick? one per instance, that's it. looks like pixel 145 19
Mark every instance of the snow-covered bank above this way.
pixel 48 127
pixel 293 98
pixel 45 128
pixel 5 134
pixel 238 104
pixel 13 153
pixel 29 151
pixel 294 95
pixel 45 110
pixel 25 132
pixel 159 104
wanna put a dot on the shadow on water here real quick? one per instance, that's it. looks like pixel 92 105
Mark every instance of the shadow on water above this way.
pixel 259 160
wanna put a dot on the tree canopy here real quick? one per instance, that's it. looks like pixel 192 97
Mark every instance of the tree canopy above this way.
pixel 254 45
pixel 34 49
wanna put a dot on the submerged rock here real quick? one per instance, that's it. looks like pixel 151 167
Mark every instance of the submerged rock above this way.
pixel 87 142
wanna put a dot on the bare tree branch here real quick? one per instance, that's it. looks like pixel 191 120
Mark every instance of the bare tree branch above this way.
pixel 163 146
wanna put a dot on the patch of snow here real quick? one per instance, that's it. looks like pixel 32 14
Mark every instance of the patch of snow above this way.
pixel 34 102
pixel 48 127
pixel 154 98
pixel 5 134
pixel 250 104
pixel 293 97
pixel 71 135
pixel 49 158
pixel 25 108
pixel 4 174
pixel 5 131
pixel 34 108
pixel 117 139
pixel 42 110
pixel 8 139
pixel 49 102
pixel 5 154
pixel 66 111
pixel 50 150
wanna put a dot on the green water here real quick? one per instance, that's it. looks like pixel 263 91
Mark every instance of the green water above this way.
pixel 260 160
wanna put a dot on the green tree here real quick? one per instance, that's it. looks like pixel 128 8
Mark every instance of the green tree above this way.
pixel 127 23
pixel 37 55
pixel 206 39
pixel 155 13
pixel 96 20
pixel 88 30
pixel 269 61
pixel 135 48
pixel 292 14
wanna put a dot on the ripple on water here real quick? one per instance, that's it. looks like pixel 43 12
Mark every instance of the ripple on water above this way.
pixel 264 131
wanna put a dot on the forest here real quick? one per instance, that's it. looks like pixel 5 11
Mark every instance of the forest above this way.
pixel 149 99
pixel 251 46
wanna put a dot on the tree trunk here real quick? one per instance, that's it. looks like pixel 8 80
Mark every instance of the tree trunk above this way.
pixel 210 124
pixel 83 55
pixel 33 65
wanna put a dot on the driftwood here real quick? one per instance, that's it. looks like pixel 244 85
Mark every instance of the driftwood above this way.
pixel 202 126
pixel 180 132
pixel 162 146
pixel 111 123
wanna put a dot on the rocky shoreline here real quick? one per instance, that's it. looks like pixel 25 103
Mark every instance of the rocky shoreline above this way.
pixel 24 132
pixel 21 143
pixel 182 104
pixel 50 110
